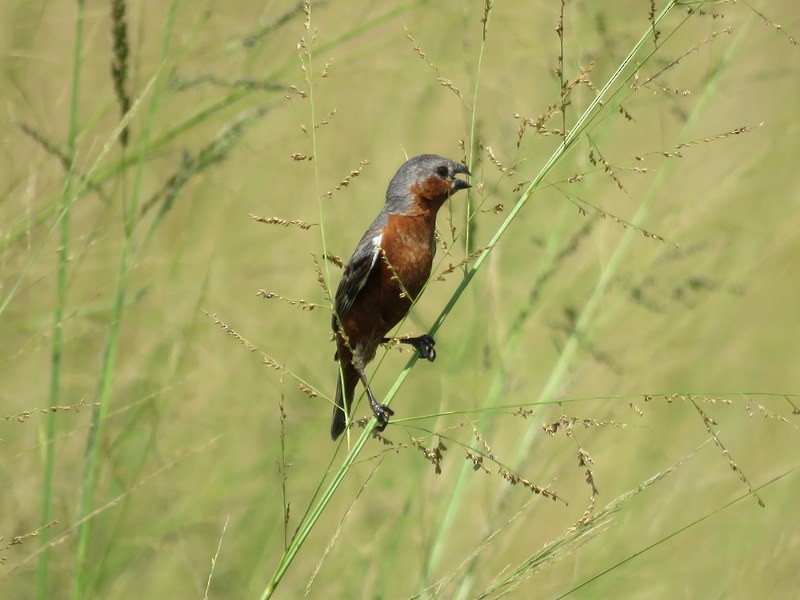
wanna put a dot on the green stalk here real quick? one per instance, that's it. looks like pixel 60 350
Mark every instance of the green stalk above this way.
pixel 308 524
pixel 49 442
pixel 92 456
pixel 473 130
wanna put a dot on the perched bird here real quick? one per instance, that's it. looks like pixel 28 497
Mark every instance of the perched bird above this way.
pixel 387 271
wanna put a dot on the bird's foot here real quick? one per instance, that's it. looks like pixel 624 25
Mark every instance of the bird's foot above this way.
pixel 424 344
pixel 382 414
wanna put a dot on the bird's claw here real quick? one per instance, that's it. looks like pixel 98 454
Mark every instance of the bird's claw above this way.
pixel 424 344
pixel 382 414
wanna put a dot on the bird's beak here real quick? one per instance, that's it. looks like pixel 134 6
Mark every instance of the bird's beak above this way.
pixel 459 184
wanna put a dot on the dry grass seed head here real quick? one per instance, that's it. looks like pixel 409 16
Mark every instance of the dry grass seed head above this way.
pixel 484 444
pixel 346 181
pixel 709 423
pixel 18 540
pixel 584 207
pixel 537 124
pixel 299 303
pixel 508 171
pixel 606 166
pixel 443 81
pixel 477 461
pixel 585 461
pixel 26 414
pixel 635 85
pixel 566 423
pixel 468 259
pixel 327 119
pixel 308 390
pixel 775 26
pixel 320 278
pixel 334 260
pixel 432 455
pixel 515 479
pixel 285 222
pixel 294 90
pixel 487 9
pixel 719 136
pixel 239 338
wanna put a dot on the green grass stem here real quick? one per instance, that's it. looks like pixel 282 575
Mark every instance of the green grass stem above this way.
pixel 51 421
pixel 93 456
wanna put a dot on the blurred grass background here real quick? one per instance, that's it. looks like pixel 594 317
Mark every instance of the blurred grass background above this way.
pixel 694 335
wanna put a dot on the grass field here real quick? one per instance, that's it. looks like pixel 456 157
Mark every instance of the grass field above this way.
pixel 615 405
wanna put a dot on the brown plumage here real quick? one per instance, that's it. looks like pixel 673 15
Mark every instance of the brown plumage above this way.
pixel 386 273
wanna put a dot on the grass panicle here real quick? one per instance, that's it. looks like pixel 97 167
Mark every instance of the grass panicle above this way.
pixel 119 62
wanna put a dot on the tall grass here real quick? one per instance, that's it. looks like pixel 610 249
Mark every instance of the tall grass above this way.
pixel 575 133
pixel 130 212
pixel 598 324
pixel 49 441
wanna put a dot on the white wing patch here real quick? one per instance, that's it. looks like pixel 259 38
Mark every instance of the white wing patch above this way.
pixel 376 249
pixel 376 252
pixel 364 273
pixel 355 276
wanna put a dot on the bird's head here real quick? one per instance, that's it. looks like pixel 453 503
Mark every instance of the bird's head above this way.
pixel 424 182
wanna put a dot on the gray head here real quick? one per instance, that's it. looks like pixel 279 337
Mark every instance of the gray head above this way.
pixel 428 179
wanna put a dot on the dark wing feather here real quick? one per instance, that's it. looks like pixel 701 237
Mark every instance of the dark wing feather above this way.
pixel 358 269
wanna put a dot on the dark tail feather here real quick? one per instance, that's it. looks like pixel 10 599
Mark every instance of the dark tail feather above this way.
pixel 344 402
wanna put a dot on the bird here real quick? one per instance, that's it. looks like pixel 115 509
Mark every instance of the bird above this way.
pixel 386 273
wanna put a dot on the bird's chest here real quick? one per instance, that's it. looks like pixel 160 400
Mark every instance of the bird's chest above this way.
pixel 407 248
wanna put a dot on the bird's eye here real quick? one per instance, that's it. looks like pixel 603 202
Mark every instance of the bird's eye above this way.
pixel 442 171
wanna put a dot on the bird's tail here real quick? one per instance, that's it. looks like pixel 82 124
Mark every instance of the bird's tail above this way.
pixel 344 399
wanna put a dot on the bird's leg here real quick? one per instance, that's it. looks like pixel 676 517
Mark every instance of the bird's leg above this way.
pixel 381 411
pixel 422 343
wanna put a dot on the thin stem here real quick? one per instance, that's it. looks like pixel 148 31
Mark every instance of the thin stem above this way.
pixel 469 225
pixel 51 420
pixel 92 456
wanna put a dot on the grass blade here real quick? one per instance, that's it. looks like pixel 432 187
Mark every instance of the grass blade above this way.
pixel 51 421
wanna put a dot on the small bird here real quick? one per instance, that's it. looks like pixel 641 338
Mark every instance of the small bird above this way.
pixel 387 271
